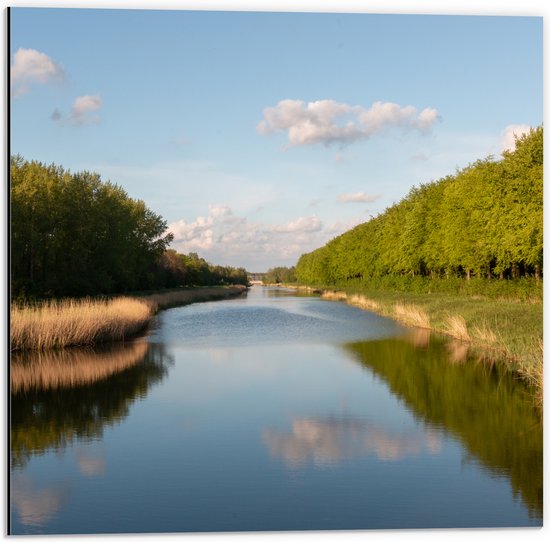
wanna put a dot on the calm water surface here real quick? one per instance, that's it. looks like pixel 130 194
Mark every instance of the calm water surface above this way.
pixel 271 412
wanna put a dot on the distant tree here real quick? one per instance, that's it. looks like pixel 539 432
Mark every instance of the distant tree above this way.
pixel 277 275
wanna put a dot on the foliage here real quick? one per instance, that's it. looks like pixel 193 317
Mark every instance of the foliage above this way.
pixel 74 235
pixel 174 269
pixel 484 221
pixel 524 289
pixel 280 275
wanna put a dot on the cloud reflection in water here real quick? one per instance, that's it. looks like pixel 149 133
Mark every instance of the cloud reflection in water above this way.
pixel 36 506
pixel 89 463
pixel 329 442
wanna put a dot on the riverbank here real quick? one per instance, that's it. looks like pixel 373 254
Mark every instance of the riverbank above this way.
pixel 86 322
pixel 506 329
pixel 183 296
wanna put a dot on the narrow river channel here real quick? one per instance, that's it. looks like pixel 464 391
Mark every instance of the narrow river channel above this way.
pixel 271 411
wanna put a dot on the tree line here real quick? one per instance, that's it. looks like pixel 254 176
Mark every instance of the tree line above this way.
pixel 71 234
pixel 278 275
pixel 486 220
pixel 173 269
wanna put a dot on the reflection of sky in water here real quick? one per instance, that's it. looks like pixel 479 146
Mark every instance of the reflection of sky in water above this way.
pixel 260 319
pixel 328 442
pixel 36 505
pixel 254 434
pixel 38 497
pixel 89 463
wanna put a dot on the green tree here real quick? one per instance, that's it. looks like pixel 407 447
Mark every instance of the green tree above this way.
pixel 485 220
pixel 72 234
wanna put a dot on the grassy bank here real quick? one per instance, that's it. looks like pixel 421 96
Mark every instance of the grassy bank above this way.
pixel 183 296
pixel 85 322
pixel 505 327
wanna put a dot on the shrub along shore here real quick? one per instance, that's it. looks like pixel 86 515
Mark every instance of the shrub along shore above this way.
pixel 86 322
pixel 498 328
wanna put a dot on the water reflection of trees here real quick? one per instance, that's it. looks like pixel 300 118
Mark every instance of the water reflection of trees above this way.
pixel 482 403
pixel 47 412
pixel 281 291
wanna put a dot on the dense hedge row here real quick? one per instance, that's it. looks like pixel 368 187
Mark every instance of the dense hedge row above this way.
pixel 486 220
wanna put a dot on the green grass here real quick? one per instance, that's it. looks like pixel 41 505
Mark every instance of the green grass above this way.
pixel 505 323
pixel 517 326
pixel 522 290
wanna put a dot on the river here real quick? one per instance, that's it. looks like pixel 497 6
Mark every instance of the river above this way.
pixel 271 411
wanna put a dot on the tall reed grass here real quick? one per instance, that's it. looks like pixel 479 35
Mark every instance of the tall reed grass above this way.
pixel 533 372
pixel 455 326
pixel 86 322
pixel 411 315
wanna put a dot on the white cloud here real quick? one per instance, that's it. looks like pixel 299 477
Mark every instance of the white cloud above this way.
pixel 31 66
pixel 507 140
pixel 84 109
pixel 328 122
pixel 359 197
pixel 194 236
pixel 225 239
pixel 302 224
pixel 220 211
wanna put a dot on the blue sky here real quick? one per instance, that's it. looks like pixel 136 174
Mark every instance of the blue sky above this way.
pixel 259 136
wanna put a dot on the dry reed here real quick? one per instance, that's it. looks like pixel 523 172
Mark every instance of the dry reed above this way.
pixel 364 303
pixel 334 296
pixel 456 327
pixel 70 367
pixel 485 334
pixel 533 373
pixel 58 324
pixel 411 315
pixel 165 300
